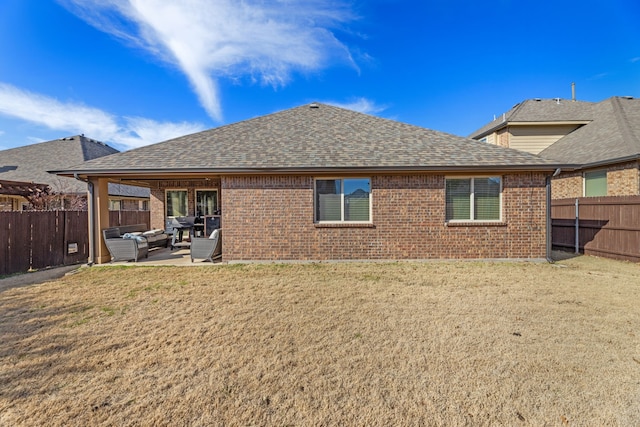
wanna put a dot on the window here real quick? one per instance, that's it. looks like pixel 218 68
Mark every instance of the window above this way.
pixel 473 199
pixel 114 205
pixel 206 202
pixel 595 183
pixel 176 203
pixel 343 200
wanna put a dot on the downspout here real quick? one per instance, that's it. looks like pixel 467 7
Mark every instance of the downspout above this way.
pixel 91 216
pixel 549 228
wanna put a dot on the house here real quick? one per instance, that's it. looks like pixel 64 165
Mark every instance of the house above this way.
pixel 14 193
pixel 602 139
pixel 317 182
pixel 30 163
pixel 535 124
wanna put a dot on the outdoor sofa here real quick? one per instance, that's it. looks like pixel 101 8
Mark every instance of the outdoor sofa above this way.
pixel 132 242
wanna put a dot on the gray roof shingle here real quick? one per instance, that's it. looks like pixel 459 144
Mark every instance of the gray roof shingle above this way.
pixel 540 110
pixel 313 137
pixel 613 134
pixel 30 163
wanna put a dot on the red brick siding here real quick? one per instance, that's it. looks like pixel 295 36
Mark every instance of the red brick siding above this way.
pixel 156 206
pixel 623 180
pixel 271 218
pixel 567 185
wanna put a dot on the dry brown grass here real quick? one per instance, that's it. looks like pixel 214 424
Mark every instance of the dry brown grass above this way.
pixel 326 344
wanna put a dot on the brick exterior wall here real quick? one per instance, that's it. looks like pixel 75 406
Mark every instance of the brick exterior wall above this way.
pixel 567 185
pixel 622 180
pixel 272 218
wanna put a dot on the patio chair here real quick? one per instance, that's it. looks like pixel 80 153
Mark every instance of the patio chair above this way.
pixel 208 248
pixel 125 249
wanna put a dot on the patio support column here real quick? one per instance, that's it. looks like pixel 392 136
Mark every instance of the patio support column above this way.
pixel 101 217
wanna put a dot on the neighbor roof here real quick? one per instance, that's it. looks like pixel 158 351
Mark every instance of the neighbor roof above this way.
pixel 30 163
pixel 314 137
pixel 18 188
pixel 612 136
pixel 540 110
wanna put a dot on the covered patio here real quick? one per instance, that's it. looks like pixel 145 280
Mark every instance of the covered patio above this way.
pixel 193 195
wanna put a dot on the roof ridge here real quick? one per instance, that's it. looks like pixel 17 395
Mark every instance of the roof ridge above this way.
pixel 515 109
pixel 628 136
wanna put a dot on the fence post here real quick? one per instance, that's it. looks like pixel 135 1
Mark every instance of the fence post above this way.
pixel 577 226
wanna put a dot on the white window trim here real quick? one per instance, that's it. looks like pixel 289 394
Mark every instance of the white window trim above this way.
pixel 342 221
pixel 471 195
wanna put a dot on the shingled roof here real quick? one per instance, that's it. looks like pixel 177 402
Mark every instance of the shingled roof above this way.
pixel 30 163
pixel 540 110
pixel 314 137
pixel 612 136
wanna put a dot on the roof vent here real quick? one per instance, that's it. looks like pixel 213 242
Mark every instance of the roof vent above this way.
pixel 537 99
pixel 626 97
pixel 314 105
pixel 557 100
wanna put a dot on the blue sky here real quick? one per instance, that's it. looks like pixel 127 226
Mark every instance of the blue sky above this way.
pixel 135 72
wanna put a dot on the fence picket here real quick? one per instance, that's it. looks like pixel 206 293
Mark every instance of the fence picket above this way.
pixel 40 239
pixel 607 226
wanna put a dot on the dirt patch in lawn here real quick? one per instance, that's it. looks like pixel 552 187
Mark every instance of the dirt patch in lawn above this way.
pixel 326 344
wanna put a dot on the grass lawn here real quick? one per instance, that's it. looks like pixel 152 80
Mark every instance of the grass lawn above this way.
pixel 442 343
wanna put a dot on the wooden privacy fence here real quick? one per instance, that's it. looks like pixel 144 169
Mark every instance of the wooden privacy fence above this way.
pixel 602 226
pixel 40 239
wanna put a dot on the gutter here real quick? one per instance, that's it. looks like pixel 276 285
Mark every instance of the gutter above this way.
pixel 549 228
pixel 311 170
pixel 624 159
pixel 92 226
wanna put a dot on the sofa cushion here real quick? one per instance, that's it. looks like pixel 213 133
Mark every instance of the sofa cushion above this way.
pixel 156 237
pixel 142 241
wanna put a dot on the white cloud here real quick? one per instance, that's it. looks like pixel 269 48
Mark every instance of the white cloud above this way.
pixel 143 130
pixel 212 39
pixel 54 114
pixel 75 117
pixel 361 105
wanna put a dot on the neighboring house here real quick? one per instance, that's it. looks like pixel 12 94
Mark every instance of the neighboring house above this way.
pixel 319 182
pixel 14 193
pixel 602 139
pixel 535 124
pixel 30 163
